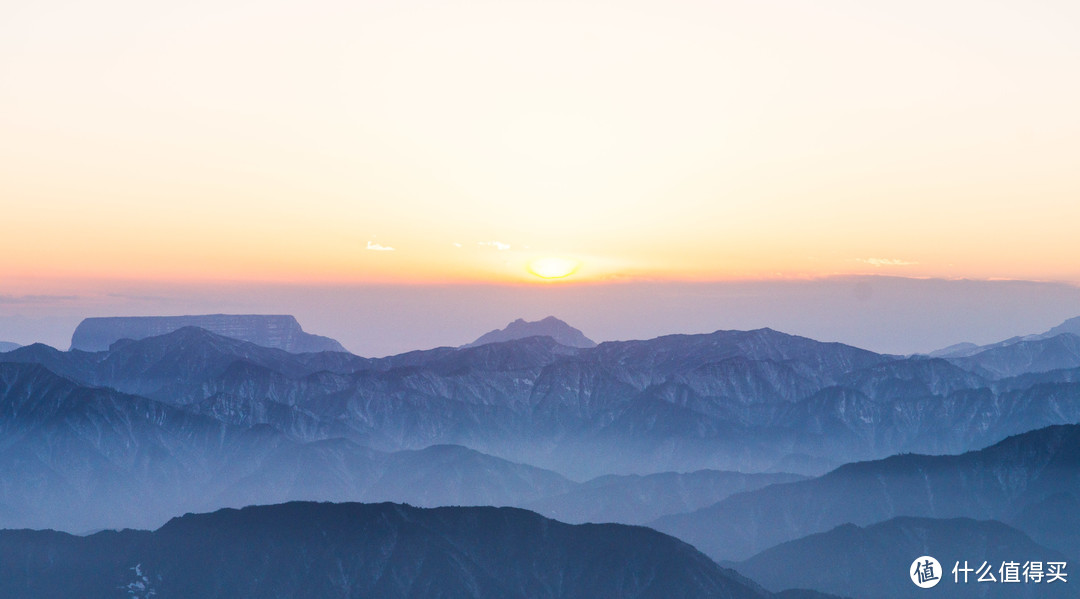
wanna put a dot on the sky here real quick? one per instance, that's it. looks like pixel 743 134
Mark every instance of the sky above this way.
pixel 441 149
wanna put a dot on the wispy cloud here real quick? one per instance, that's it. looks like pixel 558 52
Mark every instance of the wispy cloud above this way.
pixel 378 247
pixel 879 262
pixel 36 299
pixel 495 244
pixel 457 245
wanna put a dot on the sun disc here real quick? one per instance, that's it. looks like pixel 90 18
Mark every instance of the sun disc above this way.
pixel 553 267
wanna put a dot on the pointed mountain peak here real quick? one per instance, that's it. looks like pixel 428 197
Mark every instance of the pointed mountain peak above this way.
pixel 558 330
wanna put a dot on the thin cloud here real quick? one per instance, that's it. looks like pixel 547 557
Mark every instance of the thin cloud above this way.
pixel 378 247
pixel 36 299
pixel 879 262
pixel 495 244
pixel 141 298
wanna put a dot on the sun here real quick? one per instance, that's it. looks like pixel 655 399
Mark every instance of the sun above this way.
pixel 552 267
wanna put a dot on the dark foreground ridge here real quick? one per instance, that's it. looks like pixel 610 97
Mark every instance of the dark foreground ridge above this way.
pixel 322 550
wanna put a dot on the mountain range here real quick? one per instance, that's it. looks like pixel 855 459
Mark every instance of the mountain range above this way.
pixel 748 401
pixel 757 446
pixel 1030 481
pixel 79 458
pixel 963 350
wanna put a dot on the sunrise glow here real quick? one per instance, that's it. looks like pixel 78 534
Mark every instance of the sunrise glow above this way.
pixel 301 142
pixel 552 267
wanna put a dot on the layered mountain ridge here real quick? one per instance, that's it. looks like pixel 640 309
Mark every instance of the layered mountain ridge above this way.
pixel 80 458
pixel 729 400
pixel 1029 480
pixel 689 434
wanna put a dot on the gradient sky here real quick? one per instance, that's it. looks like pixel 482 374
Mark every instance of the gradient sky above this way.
pixel 280 140
pixel 182 145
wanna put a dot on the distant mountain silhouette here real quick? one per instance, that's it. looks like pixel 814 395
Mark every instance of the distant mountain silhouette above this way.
pixel 873 561
pixel 956 350
pixel 1038 380
pixel 6 346
pixel 729 400
pixel 340 470
pixel 1026 356
pixel 552 327
pixel 277 331
pixel 1017 481
pixel 320 550
pixel 1071 326
pixel 637 499
pixel 964 350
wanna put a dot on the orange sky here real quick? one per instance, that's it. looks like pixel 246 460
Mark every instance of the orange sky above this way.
pixel 295 141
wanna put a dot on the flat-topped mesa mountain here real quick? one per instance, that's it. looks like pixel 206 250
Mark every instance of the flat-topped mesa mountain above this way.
pixel 388 551
pixel 277 331
pixel 174 367
pixel 552 327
